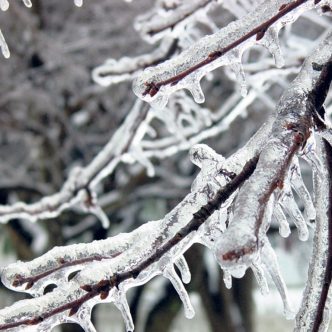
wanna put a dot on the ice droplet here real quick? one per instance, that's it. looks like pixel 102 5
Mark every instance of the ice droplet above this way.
pixel 182 265
pixel 172 276
pixel 4 46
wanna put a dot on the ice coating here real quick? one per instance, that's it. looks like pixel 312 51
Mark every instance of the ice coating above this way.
pixel 147 86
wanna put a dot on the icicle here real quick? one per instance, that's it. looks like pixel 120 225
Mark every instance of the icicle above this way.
pixel 182 265
pixel 121 303
pixel 84 319
pixel 4 46
pixel 270 263
pixel 4 5
pixel 227 279
pixel 197 93
pixel 271 42
pixel 27 3
pixel 172 276
pixel 240 77
pixel 289 205
pixel 101 216
pixel 309 155
pixel 78 3
pixel 260 277
pixel 299 186
pixel 284 229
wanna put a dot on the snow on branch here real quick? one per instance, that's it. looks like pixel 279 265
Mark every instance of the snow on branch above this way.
pixel 224 47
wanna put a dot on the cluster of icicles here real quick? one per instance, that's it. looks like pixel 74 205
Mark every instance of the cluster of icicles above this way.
pixel 100 259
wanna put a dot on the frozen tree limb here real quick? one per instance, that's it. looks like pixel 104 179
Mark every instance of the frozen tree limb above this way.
pixel 104 288
pixel 292 127
pixel 225 47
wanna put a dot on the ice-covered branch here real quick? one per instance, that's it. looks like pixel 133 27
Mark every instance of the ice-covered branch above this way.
pixel 155 255
pixel 225 47
pixel 240 245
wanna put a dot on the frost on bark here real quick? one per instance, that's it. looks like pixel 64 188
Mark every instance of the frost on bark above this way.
pixel 232 201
